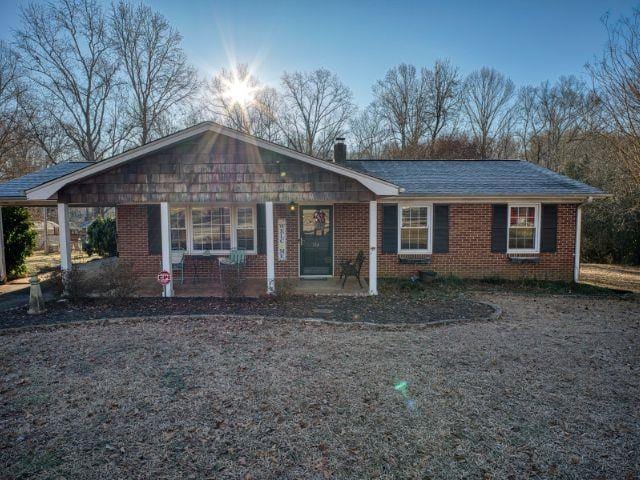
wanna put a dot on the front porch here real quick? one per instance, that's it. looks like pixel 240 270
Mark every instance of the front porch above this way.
pixel 254 287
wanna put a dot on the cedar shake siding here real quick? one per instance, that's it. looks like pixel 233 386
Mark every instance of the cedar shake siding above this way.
pixel 214 168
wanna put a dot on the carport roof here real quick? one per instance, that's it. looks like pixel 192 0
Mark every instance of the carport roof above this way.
pixel 15 190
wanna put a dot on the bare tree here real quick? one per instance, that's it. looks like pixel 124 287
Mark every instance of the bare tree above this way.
pixel 368 133
pixel 255 114
pixel 616 78
pixel 316 108
pixel 157 70
pixel 487 102
pixel 67 57
pixel 442 84
pixel 11 90
pixel 402 98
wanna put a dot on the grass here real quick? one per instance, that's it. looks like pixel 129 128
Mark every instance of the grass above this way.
pixel 548 391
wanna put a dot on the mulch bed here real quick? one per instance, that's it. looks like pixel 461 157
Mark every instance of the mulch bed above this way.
pixel 398 308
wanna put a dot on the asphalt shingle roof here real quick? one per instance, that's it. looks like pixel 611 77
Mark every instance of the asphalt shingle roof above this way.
pixel 472 177
pixel 15 189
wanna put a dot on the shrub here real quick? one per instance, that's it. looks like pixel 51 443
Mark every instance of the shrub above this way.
pixel 233 283
pixel 76 286
pixel 101 238
pixel 116 280
pixel 19 239
pixel 55 282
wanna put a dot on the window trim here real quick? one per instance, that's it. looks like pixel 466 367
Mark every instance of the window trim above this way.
pixel 536 224
pixel 422 251
pixel 234 222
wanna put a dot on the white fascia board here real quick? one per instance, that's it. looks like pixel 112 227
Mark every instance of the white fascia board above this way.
pixel 494 199
pixel 47 190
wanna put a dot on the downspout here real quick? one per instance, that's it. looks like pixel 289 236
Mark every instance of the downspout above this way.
pixel 576 254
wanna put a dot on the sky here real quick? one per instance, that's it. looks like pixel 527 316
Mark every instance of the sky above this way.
pixel 528 40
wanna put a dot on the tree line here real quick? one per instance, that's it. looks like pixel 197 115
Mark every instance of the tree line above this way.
pixel 83 81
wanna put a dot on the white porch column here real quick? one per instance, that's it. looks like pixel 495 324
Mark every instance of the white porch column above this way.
pixel 65 236
pixel 3 265
pixel 45 232
pixel 271 258
pixel 165 235
pixel 373 250
pixel 576 255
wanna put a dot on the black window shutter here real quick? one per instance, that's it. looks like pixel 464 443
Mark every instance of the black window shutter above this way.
pixel 390 228
pixel 441 229
pixel 499 229
pixel 262 228
pixel 549 233
pixel 154 230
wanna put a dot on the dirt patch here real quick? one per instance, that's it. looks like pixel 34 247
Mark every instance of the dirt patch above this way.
pixel 397 308
pixel 611 276
pixel 549 391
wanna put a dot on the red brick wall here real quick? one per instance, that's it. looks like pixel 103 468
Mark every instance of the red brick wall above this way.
pixel 469 245
pixel 133 247
pixel 131 225
pixel 470 249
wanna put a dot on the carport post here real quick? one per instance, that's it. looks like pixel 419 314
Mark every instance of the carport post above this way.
pixel 373 252
pixel 271 259
pixel 165 228
pixel 3 265
pixel 65 237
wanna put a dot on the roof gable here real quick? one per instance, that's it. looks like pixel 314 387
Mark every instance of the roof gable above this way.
pixel 47 190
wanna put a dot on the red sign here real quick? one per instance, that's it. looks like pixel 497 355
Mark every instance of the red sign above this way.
pixel 164 277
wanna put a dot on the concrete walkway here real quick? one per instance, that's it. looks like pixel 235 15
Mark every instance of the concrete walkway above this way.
pixel 15 294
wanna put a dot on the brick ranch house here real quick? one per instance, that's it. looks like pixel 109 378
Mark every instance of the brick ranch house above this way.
pixel 209 189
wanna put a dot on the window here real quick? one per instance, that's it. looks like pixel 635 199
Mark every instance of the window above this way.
pixel 178 229
pixel 215 229
pixel 211 228
pixel 415 229
pixel 523 229
pixel 245 231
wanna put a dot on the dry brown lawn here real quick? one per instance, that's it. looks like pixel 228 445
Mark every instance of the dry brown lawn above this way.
pixel 621 277
pixel 551 390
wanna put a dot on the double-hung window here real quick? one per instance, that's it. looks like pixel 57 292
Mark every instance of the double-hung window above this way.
pixel 523 229
pixel 179 228
pixel 216 229
pixel 414 228
pixel 245 229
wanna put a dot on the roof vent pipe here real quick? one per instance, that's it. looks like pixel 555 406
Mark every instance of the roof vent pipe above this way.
pixel 339 150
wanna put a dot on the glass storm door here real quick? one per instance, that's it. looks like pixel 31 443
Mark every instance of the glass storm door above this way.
pixel 316 240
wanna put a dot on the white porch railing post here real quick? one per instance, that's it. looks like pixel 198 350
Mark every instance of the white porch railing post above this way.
pixel 165 234
pixel 271 258
pixel 373 250
pixel 65 236
pixel 3 264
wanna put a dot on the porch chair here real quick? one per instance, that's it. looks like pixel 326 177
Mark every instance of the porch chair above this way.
pixel 177 263
pixel 352 268
pixel 236 259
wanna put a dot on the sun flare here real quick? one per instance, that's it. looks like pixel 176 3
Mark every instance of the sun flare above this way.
pixel 239 91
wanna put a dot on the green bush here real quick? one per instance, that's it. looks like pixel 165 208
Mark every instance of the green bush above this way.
pixel 101 238
pixel 19 239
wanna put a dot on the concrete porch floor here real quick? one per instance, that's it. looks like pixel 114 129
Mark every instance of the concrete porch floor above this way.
pixel 256 287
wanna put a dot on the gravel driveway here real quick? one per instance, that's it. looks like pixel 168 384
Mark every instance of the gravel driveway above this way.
pixel 551 390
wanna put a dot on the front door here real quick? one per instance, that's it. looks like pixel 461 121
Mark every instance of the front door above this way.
pixel 316 240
